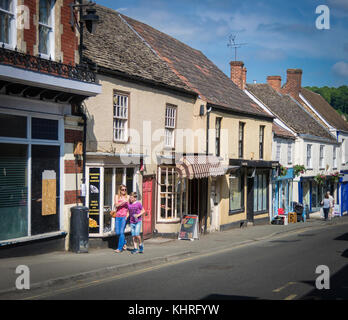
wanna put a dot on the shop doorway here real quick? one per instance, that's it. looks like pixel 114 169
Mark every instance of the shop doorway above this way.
pixel 148 196
pixel 45 184
pixel 250 199
pixel 198 201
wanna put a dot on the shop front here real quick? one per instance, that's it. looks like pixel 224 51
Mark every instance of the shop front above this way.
pixel 311 193
pixel 258 175
pixel 31 162
pixel 282 192
pixel 183 188
pixel 343 194
pixel 104 176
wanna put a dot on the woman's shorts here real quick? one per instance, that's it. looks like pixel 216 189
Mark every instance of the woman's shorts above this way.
pixel 135 229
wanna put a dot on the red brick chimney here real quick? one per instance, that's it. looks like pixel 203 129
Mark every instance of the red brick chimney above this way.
pixel 293 83
pixel 275 82
pixel 238 73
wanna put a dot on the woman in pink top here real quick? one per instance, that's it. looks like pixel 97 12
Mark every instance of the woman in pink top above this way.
pixel 121 206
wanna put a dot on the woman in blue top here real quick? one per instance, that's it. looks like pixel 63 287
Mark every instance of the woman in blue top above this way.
pixel 136 211
pixel 326 206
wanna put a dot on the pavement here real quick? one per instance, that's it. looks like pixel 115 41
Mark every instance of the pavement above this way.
pixel 60 268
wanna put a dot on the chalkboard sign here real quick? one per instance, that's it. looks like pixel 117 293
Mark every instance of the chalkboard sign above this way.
pixel 189 228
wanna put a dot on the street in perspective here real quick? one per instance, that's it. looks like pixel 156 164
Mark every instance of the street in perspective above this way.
pixel 173 152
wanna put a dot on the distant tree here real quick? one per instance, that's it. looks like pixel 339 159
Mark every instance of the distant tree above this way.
pixel 337 97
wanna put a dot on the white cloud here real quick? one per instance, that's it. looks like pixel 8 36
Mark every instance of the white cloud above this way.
pixel 341 69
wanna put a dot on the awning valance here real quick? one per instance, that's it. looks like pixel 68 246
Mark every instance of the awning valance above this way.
pixel 200 166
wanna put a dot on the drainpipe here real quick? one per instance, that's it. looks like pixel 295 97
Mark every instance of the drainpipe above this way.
pixel 208 120
pixel 83 187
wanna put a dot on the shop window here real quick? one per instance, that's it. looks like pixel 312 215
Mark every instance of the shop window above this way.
pixel 46 36
pixel 44 129
pixel 7 22
pixel 108 199
pixel 172 193
pixel 13 126
pixel 236 193
pixel 13 191
pixel 260 193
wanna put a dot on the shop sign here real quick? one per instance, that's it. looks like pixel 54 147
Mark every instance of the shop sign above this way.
pixel 94 200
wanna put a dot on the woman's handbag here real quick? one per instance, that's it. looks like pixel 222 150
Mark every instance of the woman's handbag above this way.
pixel 113 213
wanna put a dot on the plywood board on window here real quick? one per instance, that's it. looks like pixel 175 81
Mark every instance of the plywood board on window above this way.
pixel 49 193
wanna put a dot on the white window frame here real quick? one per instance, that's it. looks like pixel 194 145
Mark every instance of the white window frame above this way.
pixel 289 153
pixel 102 167
pixel 309 156
pixel 120 117
pixel 13 26
pixel 169 126
pixel 51 41
pixel 321 156
pixel 278 150
pixel 343 151
pixel 334 157
pixel 176 214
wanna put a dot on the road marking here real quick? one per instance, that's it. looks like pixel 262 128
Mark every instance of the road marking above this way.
pixel 283 287
pixel 171 263
pixel 291 297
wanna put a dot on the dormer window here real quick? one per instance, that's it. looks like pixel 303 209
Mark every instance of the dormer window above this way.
pixel 46 34
pixel 7 23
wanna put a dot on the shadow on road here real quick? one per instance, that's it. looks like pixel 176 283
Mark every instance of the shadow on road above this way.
pixel 227 297
pixel 338 282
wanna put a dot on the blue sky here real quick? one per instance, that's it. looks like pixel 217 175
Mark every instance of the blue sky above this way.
pixel 279 34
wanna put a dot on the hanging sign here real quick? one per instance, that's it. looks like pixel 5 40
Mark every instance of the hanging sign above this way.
pixel 189 228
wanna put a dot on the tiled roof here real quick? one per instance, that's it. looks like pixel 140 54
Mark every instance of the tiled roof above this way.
pixel 196 71
pixel 325 109
pixel 290 112
pixel 281 132
pixel 115 46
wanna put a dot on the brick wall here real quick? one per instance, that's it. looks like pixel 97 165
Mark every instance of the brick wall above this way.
pixel 72 136
pixel 68 39
pixel 72 197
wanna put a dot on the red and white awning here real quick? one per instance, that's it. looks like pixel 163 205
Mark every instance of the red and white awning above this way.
pixel 200 166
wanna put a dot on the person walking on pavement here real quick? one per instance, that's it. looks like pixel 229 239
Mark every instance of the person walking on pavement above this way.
pixel 136 211
pixel 326 206
pixel 332 204
pixel 121 202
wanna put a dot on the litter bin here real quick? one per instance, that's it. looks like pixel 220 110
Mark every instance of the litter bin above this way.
pixel 79 229
pixel 298 208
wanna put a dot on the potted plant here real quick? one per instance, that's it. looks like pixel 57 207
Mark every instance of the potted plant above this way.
pixel 335 177
pixel 283 171
pixel 319 178
pixel 299 169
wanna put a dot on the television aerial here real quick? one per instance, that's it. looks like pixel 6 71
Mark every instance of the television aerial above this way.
pixel 232 44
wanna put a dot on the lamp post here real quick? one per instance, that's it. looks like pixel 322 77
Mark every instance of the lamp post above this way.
pixel 91 20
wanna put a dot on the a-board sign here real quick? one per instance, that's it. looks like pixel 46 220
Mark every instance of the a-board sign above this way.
pixel 189 228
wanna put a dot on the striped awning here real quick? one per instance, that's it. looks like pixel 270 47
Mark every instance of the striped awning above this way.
pixel 200 166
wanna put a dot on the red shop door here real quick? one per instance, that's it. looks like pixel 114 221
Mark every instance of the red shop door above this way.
pixel 148 183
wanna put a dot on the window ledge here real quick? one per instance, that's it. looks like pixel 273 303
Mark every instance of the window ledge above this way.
pixel 256 213
pixel 168 221
pixel 232 212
